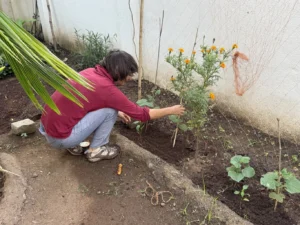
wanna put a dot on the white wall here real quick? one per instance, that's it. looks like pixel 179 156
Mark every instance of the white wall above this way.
pixel 18 9
pixel 267 31
pixel 105 16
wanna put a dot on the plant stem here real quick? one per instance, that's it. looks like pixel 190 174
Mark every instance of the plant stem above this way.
pixel 279 163
pixel 176 130
pixel 158 53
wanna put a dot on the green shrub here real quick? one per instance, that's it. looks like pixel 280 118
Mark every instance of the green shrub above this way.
pixel 5 69
pixel 91 48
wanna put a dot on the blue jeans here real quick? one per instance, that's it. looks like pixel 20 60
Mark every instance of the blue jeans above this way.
pixel 100 122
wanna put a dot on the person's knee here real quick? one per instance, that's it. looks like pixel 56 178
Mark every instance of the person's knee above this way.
pixel 109 111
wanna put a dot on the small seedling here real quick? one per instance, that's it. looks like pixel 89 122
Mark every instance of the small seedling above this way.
pixel 24 135
pixel 280 180
pixel 242 193
pixel 184 211
pixel 251 143
pixel 82 188
pixel 294 158
pixel 221 129
pixel 240 168
pixel 227 144
pixel 149 101
pixel 272 181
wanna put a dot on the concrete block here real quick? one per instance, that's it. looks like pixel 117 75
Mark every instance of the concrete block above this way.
pixel 23 126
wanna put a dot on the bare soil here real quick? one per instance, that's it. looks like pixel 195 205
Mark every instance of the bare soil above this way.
pixel 66 189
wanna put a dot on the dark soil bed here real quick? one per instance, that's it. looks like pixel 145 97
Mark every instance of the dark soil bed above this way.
pixel 223 137
pixel 2 179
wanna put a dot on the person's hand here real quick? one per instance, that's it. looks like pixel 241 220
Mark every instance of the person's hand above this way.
pixel 124 117
pixel 177 110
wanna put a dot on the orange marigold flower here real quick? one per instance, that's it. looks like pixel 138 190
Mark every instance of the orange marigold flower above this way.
pixel 213 48
pixel 208 50
pixel 194 52
pixel 202 50
pixel 212 96
pixel 234 46
pixel 223 65
pixel 172 78
pixel 222 50
pixel 187 61
pixel 181 50
pixel 170 50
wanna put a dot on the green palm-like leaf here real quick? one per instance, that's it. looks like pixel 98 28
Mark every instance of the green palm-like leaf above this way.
pixel 31 62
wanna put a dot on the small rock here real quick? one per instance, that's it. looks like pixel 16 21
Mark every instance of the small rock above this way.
pixel 162 204
pixel 98 192
pixel 174 204
pixel 23 126
pixel 295 169
pixel 35 175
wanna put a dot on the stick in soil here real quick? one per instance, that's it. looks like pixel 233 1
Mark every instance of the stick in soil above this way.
pixel 176 130
pixel 161 24
pixel 140 71
pixel 279 163
pixel 51 26
pixel 6 171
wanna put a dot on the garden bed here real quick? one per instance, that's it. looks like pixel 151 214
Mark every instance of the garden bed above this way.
pixel 222 137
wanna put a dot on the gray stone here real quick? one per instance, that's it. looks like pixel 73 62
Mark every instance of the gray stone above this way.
pixel 23 126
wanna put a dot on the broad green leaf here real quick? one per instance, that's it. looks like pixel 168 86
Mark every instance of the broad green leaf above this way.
pixel 245 160
pixel 231 168
pixel 286 175
pixel 269 180
pixel 236 192
pixel 235 176
pixel 158 92
pixel 235 160
pixel 278 197
pixel 246 199
pixel 150 98
pixel 144 102
pixel 174 119
pixel 138 128
pixel 245 187
pixel 2 68
pixel 292 185
pixel 248 171
pixel 183 127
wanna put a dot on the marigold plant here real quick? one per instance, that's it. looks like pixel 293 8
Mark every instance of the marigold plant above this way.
pixel 194 94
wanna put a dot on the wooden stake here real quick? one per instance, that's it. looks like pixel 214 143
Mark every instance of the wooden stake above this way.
pixel 51 26
pixel 279 163
pixel 161 24
pixel 141 49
